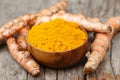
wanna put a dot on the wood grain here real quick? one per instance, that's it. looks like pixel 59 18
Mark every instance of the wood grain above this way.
pixel 109 69
pixel 115 52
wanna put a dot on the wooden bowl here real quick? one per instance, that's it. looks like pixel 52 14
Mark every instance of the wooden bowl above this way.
pixel 59 59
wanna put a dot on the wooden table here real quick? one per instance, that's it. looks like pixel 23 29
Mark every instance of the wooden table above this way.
pixel 109 69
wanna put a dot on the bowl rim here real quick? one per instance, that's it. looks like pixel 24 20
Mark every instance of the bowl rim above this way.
pixel 86 40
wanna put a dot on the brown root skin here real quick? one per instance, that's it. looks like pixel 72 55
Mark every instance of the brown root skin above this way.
pixel 88 24
pixel 100 45
pixel 23 57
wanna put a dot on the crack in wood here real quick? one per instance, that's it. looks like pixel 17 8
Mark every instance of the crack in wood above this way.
pixel 85 78
pixel 57 74
pixel 26 75
pixel 111 60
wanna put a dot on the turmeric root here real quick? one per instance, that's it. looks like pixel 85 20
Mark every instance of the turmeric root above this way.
pixel 78 18
pixel 54 8
pixel 12 27
pixel 21 38
pixel 23 57
pixel 100 45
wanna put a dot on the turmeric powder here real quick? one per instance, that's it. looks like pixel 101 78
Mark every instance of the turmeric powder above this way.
pixel 56 35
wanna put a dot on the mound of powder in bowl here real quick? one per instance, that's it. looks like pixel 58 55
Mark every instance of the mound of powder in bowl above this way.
pixel 56 35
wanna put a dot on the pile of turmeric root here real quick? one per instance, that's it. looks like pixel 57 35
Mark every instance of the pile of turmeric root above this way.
pixel 21 25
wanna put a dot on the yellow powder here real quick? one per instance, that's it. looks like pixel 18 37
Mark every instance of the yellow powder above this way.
pixel 56 35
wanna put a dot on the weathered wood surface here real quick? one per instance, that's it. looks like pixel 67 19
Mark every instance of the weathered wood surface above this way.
pixel 109 69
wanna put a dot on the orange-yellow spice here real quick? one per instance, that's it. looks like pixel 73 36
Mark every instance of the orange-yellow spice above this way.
pixel 56 35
